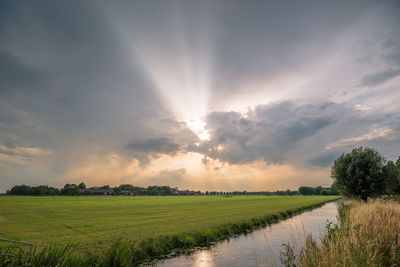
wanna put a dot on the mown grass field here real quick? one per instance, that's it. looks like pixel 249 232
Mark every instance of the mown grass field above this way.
pixel 96 221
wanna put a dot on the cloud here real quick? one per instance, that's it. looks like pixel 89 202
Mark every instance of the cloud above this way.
pixel 267 132
pixel 24 151
pixel 374 134
pixel 17 156
pixel 387 141
pixel 379 78
pixel 289 133
pixel 157 145
pixel 144 150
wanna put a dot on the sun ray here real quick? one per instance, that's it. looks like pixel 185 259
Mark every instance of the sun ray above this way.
pixel 183 77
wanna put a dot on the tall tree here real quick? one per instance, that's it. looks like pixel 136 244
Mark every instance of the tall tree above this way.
pixel 360 173
pixel 306 190
pixel 392 173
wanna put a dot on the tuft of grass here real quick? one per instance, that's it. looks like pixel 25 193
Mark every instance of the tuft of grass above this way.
pixel 119 254
pixel 368 234
pixel 52 255
pixel 13 256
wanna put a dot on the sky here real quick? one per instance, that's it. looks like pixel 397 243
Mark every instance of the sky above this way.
pixel 208 95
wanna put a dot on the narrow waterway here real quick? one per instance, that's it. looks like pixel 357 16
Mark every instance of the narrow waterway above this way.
pixel 260 247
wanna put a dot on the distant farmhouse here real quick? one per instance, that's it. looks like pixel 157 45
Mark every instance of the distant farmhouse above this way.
pixel 189 193
pixel 126 193
pixel 96 191
pixel 175 191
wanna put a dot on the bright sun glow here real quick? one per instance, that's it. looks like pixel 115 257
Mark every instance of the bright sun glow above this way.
pixel 198 127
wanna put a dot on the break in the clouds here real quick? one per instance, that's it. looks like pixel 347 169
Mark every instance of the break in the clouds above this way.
pixel 222 95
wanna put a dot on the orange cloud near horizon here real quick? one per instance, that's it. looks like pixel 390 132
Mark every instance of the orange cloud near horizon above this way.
pixel 194 171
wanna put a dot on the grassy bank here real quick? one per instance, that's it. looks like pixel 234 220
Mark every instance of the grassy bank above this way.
pixel 368 234
pixel 217 218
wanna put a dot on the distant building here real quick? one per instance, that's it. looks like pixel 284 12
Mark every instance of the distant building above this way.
pixel 175 191
pixel 126 193
pixel 189 193
pixel 95 191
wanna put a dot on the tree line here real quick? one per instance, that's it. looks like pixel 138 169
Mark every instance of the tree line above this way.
pixel 318 190
pixel 81 189
pixel 124 189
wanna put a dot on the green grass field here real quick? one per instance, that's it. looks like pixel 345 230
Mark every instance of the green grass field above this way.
pixel 95 221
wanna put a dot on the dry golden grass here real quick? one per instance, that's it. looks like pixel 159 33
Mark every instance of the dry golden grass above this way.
pixel 368 235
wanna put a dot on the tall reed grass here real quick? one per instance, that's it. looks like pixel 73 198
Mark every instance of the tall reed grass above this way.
pixel 367 234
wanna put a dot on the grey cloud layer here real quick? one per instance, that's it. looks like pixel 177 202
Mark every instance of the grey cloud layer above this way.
pixel 70 86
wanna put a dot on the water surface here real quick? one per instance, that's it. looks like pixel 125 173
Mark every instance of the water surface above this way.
pixel 260 247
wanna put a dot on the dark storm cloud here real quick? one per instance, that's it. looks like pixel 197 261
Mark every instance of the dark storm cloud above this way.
pixel 380 77
pixel 179 137
pixel 157 145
